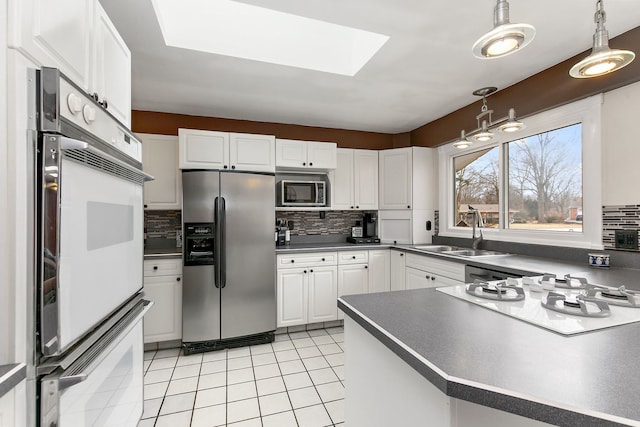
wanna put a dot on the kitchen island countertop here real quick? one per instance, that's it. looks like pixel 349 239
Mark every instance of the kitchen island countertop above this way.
pixel 481 356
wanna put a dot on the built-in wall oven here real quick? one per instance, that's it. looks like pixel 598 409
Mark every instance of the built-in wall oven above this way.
pixel 88 306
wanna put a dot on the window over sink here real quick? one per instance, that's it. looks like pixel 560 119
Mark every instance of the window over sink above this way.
pixel 543 186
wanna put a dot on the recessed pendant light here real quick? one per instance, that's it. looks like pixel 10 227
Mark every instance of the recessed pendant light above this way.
pixel 505 38
pixel 602 60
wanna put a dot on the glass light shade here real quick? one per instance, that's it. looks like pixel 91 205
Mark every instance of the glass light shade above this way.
pixel 512 124
pixel 463 142
pixel 600 63
pixel 503 40
pixel 484 134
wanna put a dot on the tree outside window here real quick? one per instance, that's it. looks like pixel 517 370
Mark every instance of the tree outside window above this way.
pixel 543 178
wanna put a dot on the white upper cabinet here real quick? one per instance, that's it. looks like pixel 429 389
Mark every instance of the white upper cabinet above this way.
pixel 78 38
pixel 407 188
pixel 342 181
pixel 305 155
pixel 395 178
pixel 55 34
pixel 354 182
pixel 365 179
pixel 249 152
pixel 201 149
pixel 111 77
pixel 160 159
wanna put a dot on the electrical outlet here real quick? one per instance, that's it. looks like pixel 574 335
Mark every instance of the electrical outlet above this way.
pixel 626 239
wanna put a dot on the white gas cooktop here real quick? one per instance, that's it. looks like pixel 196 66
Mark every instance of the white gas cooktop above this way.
pixel 530 309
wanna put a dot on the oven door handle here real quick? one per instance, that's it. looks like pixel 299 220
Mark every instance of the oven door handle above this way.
pixel 74 144
pixel 89 361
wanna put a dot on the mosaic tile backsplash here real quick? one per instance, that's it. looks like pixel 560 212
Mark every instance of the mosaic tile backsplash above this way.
pixel 310 223
pixel 622 217
pixel 163 224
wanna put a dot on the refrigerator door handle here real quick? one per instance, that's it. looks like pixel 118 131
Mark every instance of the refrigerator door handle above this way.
pixel 222 220
pixel 216 249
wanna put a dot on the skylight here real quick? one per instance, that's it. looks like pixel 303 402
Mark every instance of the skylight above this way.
pixel 226 27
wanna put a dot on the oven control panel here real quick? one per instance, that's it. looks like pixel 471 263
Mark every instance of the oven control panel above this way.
pixel 75 106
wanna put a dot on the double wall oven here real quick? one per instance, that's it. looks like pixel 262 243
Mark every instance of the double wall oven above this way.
pixel 87 299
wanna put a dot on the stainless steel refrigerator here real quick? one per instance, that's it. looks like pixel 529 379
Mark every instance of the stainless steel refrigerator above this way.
pixel 229 290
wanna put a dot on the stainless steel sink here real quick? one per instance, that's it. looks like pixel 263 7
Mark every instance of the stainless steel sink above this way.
pixel 473 253
pixel 437 248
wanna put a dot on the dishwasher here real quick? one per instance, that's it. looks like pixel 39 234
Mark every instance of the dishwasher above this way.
pixel 472 273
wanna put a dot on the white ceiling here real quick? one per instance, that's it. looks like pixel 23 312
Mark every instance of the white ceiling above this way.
pixel 425 71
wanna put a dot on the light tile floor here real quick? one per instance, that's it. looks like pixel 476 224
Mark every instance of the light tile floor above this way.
pixel 298 380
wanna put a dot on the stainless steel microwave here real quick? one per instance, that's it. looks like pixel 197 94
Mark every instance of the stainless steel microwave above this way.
pixel 302 193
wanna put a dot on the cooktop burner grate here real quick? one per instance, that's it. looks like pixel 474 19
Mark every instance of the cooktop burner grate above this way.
pixel 621 296
pixel 582 306
pixel 500 291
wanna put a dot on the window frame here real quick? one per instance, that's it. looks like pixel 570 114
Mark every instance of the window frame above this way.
pixel 588 112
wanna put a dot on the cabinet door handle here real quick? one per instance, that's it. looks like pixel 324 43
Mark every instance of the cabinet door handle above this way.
pixel 433 277
pixel 225 166
pixel 304 164
pixel 323 259
pixel 408 207
pixel 310 164
pixel 177 279
pixel 233 166
pixel 428 277
pixel 155 267
pixel 401 254
pixel 354 257
pixel 305 272
pixel 292 261
pixel 366 266
pixel 311 271
pixel 351 207
pixel 357 207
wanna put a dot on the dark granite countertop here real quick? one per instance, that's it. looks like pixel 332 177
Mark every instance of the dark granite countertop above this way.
pixel 481 356
pixel 10 376
pixel 332 246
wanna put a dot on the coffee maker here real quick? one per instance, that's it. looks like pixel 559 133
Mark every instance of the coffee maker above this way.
pixel 369 232
pixel 369 221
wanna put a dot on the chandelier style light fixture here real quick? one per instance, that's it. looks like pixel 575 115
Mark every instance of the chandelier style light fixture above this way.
pixel 602 60
pixel 486 125
pixel 505 38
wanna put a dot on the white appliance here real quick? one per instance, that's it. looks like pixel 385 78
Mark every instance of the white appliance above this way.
pixel 301 193
pixel 568 305
pixel 89 252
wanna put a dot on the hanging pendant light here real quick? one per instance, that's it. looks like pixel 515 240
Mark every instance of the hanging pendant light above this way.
pixel 505 38
pixel 463 142
pixel 602 59
pixel 512 124
pixel 486 125
pixel 484 134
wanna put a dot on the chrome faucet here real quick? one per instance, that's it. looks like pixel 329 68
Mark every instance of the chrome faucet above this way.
pixel 477 221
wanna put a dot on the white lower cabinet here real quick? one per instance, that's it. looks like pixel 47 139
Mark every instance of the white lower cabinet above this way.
pixel 397 266
pixel 292 291
pixel 379 271
pixel 307 288
pixel 353 274
pixel 323 294
pixel 428 272
pixel 163 286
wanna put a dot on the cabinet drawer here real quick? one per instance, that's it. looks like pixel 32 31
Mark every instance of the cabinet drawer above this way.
pixel 353 257
pixel 315 259
pixel 162 267
pixel 450 269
